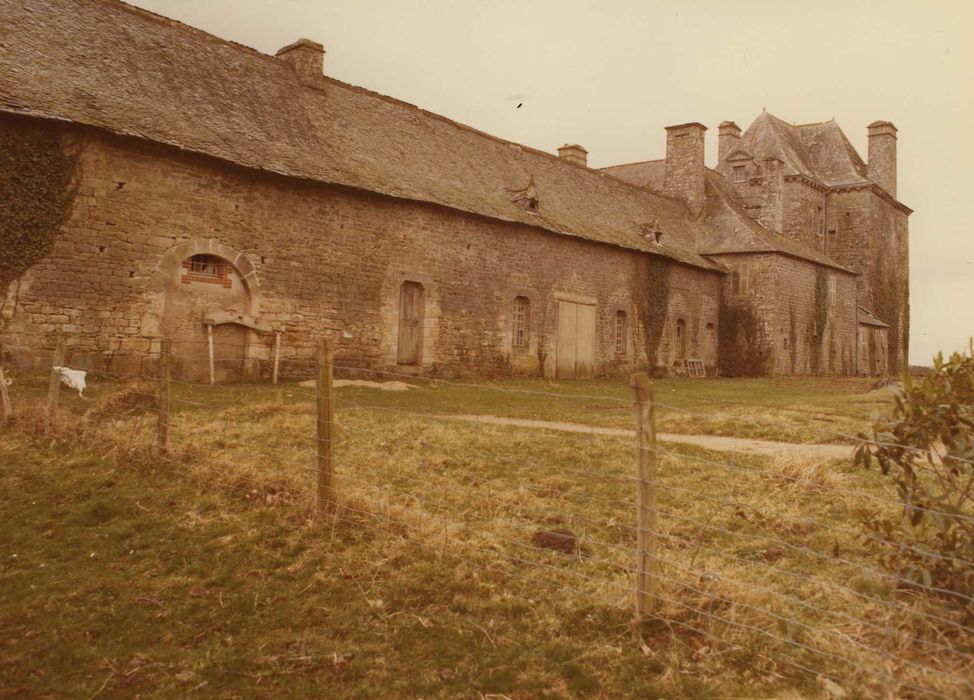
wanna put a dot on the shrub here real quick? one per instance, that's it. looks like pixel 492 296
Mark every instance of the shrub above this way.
pixel 927 448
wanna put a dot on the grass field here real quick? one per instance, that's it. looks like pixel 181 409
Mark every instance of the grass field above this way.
pixel 204 574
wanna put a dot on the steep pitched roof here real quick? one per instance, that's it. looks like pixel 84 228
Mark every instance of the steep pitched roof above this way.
pixel 727 226
pixel 866 318
pixel 648 173
pixel 731 230
pixel 106 64
pixel 820 151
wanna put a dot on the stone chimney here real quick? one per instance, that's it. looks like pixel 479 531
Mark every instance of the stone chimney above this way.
pixel 882 155
pixel 574 154
pixel 685 170
pixel 306 57
pixel 728 136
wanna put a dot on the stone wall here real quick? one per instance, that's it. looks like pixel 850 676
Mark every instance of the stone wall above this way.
pixel 804 212
pixel 790 316
pixel 316 259
pixel 869 234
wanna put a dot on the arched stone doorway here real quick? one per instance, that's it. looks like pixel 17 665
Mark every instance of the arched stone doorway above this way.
pixel 208 288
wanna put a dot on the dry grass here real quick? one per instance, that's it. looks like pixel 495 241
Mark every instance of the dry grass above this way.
pixel 768 584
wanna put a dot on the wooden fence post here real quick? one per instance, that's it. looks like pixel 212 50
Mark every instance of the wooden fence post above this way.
pixel 277 354
pixel 54 388
pixel 647 563
pixel 209 338
pixel 5 409
pixel 326 358
pixel 165 393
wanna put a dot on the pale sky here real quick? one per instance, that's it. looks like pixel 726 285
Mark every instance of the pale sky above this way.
pixel 611 75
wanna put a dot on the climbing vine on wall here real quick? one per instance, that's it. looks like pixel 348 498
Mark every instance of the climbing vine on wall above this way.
pixel 815 331
pixel 745 350
pixel 886 307
pixel 38 184
pixel 651 291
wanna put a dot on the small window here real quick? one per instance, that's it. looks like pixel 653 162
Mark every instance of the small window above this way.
pixel 620 333
pixel 784 343
pixel 740 278
pixel 522 310
pixel 832 284
pixel 740 173
pixel 204 265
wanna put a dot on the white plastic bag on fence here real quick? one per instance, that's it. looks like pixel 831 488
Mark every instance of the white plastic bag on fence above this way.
pixel 73 378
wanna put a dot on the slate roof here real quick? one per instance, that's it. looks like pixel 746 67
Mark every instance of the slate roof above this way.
pixel 109 65
pixel 866 318
pixel 648 173
pixel 727 226
pixel 820 151
pixel 731 230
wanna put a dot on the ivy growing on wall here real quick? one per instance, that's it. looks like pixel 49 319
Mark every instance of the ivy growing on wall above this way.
pixel 651 292
pixel 815 331
pixel 38 184
pixel 745 349
pixel 886 306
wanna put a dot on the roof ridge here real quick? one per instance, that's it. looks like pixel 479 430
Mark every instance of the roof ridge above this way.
pixel 162 19
pixel 637 162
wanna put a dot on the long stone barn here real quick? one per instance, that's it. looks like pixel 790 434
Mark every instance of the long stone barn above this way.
pixel 159 182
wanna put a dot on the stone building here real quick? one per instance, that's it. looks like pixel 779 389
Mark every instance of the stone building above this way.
pixel 179 185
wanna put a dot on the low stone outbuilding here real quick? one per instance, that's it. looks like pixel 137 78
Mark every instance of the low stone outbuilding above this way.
pixel 182 186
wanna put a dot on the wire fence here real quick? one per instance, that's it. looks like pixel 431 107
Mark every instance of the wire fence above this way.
pixel 752 555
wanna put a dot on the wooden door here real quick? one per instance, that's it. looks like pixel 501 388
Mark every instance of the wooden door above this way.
pixel 585 342
pixel 575 348
pixel 681 340
pixel 411 303
pixel 565 350
pixel 710 346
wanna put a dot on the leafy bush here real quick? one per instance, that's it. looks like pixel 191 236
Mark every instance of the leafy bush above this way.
pixel 927 448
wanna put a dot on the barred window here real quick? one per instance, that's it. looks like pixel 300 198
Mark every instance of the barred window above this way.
pixel 522 310
pixel 205 265
pixel 740 174
pixel 620 333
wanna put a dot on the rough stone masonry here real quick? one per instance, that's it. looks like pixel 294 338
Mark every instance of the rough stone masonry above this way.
pixel 193 188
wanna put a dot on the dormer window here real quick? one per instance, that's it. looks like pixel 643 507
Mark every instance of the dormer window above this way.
pixel 740 173
pixel 527 199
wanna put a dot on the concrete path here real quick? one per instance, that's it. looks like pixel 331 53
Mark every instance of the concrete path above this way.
pixel 709 442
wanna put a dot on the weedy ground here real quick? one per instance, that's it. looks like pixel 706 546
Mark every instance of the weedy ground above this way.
pixel 206 573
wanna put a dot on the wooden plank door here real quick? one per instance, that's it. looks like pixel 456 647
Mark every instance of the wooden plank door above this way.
pixel 585 342
pixel 565 349
pixel 411 303
pixel 710 346
pixel 575 349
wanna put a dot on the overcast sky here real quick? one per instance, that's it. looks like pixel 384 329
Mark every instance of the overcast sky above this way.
pixel 611 75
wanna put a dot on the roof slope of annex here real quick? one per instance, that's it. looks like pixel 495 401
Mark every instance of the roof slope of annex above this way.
pixel 731 230
pixel 106 64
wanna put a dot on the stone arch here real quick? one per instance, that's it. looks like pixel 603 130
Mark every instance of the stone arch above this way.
pixel 173 259
pixel 183 298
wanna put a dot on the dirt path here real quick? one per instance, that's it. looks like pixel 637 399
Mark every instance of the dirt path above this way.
pixel 709 442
